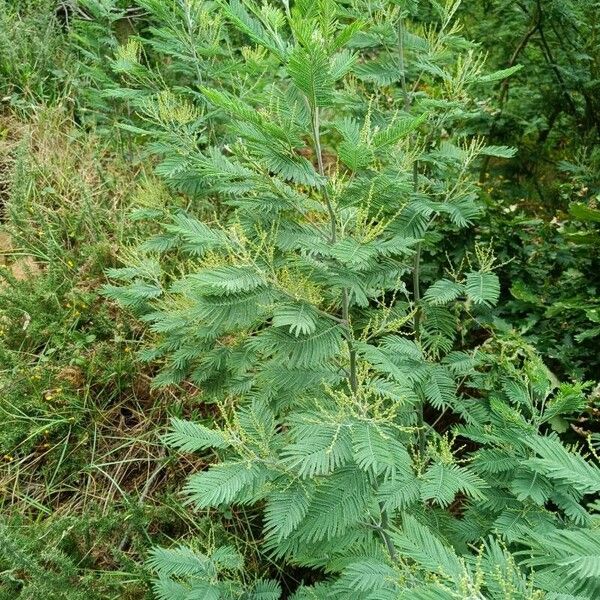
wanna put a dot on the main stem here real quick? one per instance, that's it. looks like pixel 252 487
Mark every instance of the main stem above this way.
pixel 385 536
pixel 417 258
pixel 316 126
pixel 402 65
pixel 417 326
pixel 417 320
pixel 352 374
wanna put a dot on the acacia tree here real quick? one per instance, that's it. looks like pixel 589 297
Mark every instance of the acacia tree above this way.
pixel 305 310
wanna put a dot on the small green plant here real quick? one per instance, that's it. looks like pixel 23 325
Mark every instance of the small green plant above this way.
pixel 183 573
pixel 36 61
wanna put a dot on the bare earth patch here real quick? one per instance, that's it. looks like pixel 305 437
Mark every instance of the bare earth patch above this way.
pixel 22 267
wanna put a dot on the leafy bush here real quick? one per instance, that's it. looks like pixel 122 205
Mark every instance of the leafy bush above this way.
pixel 550 111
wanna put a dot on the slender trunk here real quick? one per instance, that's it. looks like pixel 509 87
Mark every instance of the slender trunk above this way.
pixel 385 536
pixel 417 320
pixel 352 375
pixel 403 66
pixel 417 258
pixel 316 126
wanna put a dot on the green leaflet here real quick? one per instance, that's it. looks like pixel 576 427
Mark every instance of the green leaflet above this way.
pixel 443 291
pixel 442 482
pixel 190 437
pixel 483 288
pixel 309 69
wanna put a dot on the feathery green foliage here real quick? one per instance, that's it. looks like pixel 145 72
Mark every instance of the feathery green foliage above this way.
pixel 298 310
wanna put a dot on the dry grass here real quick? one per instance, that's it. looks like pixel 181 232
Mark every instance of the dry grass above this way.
pixel 90 419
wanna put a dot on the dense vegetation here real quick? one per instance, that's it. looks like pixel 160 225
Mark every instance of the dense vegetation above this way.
pixel 299 299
